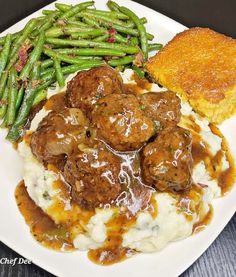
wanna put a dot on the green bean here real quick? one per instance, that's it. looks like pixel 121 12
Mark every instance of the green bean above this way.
pixel 76 23
pixel 150 36
pixel 47 73
pixel 12 97
pixel 124 29
pixel 4 102
pixel 49 62
pixel 134 41
pixel 46 63
pixel 2 39
pixel 143 20
pixel 120 38
pixel 40 96
pixel 65 30
pixel 113 6
pixel 102 18
pixel 154 46
pixel 33 57
pixel 63 7
pixel 3 82
pixel 47 24
pixel 131 24
pixel 47 12
pixel 140 73
pixel 59 74
pixel 88 43
pixel 141 29
pixel 121 61
pixel 4 123
pixel 91 52
pixel 91 22
pixel 88 34
pixel 77 8
pixel 42 18
pixel 35 74
pixel 64 58
pixel 71 69
pixel 5 53
pixel 101 38
pixel 26 31
pixel 121 29
pixel 113 14
pixel 116 37
pixel 16 130
pixel 20 96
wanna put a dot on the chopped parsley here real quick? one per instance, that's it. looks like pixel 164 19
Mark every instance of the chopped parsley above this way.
pixel 46 195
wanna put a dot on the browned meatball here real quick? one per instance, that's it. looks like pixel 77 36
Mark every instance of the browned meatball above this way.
pixel 167 162
pixel 88 86
pixel 121 123
pixel 57 135
pixel 93 173
pixel 162 107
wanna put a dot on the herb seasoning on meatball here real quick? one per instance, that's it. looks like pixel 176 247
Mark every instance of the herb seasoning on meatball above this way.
pixel 88 86
pixel 162 107
pixel 93 173
pixel 167 162
pixel 121 122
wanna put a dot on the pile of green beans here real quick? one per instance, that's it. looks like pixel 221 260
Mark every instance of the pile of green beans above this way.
pixel 63 41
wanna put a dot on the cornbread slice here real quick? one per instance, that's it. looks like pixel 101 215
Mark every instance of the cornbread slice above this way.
pixel 200 65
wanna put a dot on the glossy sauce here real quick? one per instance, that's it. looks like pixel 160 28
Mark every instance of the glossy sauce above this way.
pixel 201 152
pixel 42 227
pixel 56 103
pixel 201 224
pixel 60 237
pixel 227 177
pixel 141 84
pixel 190 202
pixel 112 250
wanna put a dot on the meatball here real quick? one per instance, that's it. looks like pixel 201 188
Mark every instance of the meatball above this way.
pixel 162 107
pixel 93 173
pixel 57 135
pixel 88 86
pixel 121 123
pixel 167 162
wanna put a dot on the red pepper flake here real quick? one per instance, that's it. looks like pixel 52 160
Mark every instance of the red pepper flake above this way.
pixel 111 31
pixel 111 39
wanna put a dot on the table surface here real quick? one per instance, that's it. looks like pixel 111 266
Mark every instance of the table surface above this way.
pixel 220 258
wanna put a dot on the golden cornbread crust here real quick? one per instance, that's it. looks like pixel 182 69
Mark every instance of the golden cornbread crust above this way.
pixel 200 65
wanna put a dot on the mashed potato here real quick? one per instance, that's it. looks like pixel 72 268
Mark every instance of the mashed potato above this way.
pixel 149 233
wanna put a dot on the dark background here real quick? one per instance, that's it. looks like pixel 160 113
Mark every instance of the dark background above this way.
pixel 220 15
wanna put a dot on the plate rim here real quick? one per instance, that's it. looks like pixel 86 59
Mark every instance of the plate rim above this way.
pixel 47 267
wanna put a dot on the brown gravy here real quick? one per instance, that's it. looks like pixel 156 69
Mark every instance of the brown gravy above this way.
pixel 226 178
pixel 201 224
pixel 42 227
pixel 201 152
pixel 141 84
pixel 112 250
pixel 58 237
pixel 56 103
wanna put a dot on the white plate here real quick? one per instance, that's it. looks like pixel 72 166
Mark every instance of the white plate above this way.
pixel 171 261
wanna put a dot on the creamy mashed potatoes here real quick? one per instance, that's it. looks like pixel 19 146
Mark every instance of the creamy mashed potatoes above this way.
pixel 150 231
